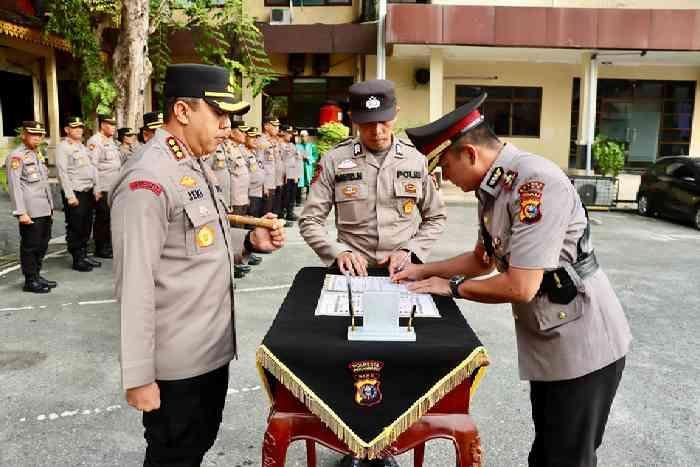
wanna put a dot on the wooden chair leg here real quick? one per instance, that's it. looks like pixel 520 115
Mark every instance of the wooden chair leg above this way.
pixel 418 455
pixel 310 453
pixel 276 442
pixel 468 449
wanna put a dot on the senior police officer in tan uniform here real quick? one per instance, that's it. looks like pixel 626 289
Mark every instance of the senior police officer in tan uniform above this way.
pixel 173 267
pixel 387 209
pixel 571 330
pixel 78 178
pixel 106 157
pixel 151 122
pixel 32 205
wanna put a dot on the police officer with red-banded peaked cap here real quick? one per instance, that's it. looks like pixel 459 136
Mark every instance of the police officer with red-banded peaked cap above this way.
pixel 174 256
pixel 571 330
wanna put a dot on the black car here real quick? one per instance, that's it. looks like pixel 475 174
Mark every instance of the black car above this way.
pixel 671 188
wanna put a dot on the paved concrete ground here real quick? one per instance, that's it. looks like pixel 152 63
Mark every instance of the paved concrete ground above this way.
pixel 60 403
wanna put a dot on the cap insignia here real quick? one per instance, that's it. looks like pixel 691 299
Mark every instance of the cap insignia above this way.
pixel 357 149
pixel 372 103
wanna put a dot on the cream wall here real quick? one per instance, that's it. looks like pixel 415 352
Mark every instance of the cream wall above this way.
pixel 556 81
pixel 308 14
pixel 642 4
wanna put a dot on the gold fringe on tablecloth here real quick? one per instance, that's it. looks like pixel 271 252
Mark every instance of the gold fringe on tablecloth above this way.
pixel 475 362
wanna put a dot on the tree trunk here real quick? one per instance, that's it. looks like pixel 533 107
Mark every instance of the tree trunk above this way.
pixel 132 68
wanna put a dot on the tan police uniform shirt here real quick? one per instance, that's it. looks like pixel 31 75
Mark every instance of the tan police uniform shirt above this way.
pixel 28 183
pixel 266 154
pixel 292 161
pixel 240 177
pixel 378 208
pixel 173 265
pixel 256 171
pixel 106 157
pixel 535 218
pixel 218 161
pixel 75 169
pixel 280 167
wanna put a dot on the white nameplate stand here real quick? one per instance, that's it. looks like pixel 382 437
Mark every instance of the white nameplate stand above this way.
pixel 380 319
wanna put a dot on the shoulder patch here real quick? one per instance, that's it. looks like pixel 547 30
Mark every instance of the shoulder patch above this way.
pixel 15 162
pixel 154 187
pixel 531 201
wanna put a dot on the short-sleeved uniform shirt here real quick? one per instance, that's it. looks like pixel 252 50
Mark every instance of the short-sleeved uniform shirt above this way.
pixel 28 183
pixel 240 176
pixel 106 156
pixel 256 171
pixel 266 155
pixel 535 219
pixel 75 170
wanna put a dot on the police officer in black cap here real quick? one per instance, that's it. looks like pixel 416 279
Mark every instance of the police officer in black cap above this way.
pixel 126 137
pixel 151 122
pixel 174 254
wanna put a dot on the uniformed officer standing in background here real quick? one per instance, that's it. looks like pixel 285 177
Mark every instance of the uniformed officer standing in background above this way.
pixel 151 122
pixel 571 331
pixel 173 268
pixel 293 162
pixel 257 174
pixel 267 146
pixel 218 161
pixel 280 172
pixel 106 157
pixel 30 198
pixel 240 175
pixel 126 137
pixel 388 211
pixel 78 178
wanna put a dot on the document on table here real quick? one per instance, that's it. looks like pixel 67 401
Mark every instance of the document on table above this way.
pixel 334 296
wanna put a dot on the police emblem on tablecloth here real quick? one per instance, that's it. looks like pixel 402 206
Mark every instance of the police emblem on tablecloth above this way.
pixel 372 103
pixel 531 202
pixel 367 384
pixel 205 236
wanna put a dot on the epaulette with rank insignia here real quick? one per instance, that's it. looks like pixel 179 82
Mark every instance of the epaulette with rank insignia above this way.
pixel 175 148
pixel 344 142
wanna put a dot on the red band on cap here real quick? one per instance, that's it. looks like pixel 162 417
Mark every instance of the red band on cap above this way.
pixel 452 131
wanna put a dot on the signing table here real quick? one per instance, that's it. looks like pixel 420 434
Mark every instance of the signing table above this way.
pixel 371 399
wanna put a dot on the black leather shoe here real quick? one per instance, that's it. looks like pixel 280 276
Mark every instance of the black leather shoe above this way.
pixel 254 260
pixel 292 217
pixel 46 282
pixel 288 224
pixel 386 462
pixel 237 273
pixel 34 286
pixel 104 254
pixel 92 262
pixel 349 461
pixel 79 264
pixel 244 267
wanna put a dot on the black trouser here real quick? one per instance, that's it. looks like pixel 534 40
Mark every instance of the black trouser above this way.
pixel 255 208
pixel 240 210
pixel 33 243
pixel 570 417
pixel 268 201
pixel 101 230
pixel 298 195
pixel 187 423
pixel 288 196
pixel 79 221
pixel 277 201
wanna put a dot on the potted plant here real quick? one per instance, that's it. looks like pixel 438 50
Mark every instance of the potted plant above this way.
pixel 609 155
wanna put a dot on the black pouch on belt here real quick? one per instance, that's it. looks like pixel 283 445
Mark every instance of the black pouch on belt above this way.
pixel 558 286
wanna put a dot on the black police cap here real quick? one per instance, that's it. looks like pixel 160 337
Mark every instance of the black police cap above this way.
pixel 214 84
pixel 153 120
pixel 372 101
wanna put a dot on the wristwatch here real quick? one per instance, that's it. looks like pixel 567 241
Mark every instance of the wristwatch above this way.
pixel 455 282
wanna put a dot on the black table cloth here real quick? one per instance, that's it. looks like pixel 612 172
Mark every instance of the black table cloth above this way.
pixel 310 355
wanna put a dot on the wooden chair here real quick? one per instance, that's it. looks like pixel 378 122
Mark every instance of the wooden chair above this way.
pixel 290 421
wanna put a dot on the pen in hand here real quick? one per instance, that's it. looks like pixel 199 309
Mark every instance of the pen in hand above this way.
pixel 403 263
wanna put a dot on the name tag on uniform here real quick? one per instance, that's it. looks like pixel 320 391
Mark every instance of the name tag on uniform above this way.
pixel 408 174
pixel 347 177
pixel 195 194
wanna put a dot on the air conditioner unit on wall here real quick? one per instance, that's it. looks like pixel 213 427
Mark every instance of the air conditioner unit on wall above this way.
pixel 281 16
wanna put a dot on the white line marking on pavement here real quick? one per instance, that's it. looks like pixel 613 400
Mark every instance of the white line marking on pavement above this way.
pixel 17 308
pixel 16 266
pixel 271 287
pixel 112 408
pixel 98 302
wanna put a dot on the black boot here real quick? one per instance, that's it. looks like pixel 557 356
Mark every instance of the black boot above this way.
pixel 32 284
pixel 92 262
pixel 254 260
pixel 237 272
pixel 46 282
pixel 79 264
